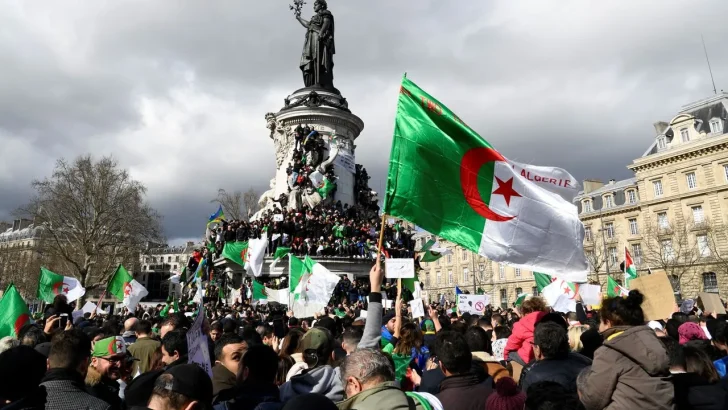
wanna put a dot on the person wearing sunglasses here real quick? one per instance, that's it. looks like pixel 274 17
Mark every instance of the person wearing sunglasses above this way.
pixel 107 361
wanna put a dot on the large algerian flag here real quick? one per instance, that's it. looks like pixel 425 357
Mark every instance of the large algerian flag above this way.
pixel 297 269
pixel 451 182
pixel 280 253
pixel 236 252
pixel 542 280
pixel 613 288
pixel 52 284
pixel 259 292
pixel 433 251
pixel 14 312
pixel 521 298
pixel 256 254
pixel 126 288
pixel 630 271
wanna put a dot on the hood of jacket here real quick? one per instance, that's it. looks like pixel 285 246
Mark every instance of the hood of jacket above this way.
pixel 382 396
pixel 640 344
pixel 322 380
pixel 222 378
pixel 529 321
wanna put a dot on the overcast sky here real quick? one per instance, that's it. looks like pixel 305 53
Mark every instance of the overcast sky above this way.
pixel 178 90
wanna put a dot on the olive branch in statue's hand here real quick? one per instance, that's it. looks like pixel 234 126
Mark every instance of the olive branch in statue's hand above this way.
pixel 297 6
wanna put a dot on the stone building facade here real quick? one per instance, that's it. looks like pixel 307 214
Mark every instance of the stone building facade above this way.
pixel 672 216
pixel 159 263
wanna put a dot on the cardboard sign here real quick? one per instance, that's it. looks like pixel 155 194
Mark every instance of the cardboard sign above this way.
pixel 395 268
pixel 710 302
pixel 590 294
pixel 198 352
pixel 418 309
pixel 473 304
pixel 659 300
pixel 346 161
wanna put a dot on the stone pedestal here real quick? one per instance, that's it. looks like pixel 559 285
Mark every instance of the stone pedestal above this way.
pixel 327 113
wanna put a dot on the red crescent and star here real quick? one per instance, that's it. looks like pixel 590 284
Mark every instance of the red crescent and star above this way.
pixel 470 166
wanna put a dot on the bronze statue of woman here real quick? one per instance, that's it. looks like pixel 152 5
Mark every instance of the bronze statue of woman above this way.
pixel 317 59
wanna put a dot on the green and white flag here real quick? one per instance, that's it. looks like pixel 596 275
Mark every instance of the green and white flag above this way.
pixel 614 289
pixel 256 254
pixel 521 297
pixel 52 284
pixel 236 252
pixel 280 253
pixel 561 295
pixel 314 289
pixel 542 280
pixel 14 312
pixel 259 292
pixel 630 271
pixel 451 182
pixel 126 288
pixel 432 251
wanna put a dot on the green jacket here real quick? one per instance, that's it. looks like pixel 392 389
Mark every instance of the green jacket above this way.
pixel 384 396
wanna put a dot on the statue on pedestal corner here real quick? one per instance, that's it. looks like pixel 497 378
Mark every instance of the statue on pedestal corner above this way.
pixel 317 59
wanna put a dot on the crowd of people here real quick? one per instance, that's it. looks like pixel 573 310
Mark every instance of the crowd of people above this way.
pixel 332 231
pixel 359 355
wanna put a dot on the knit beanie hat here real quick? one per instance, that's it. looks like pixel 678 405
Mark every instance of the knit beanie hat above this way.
pixel 690 331
pixel 507 396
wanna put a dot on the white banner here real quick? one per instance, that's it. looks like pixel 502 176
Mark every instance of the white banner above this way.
pixel 346 161
pixel 399 268
pixel 473 304
pixel 198 352
pixel 418 309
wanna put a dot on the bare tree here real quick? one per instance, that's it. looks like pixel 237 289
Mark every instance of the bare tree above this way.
pixel 717 248
pixel 250 201
pixel 232 204
pixel 672 248
pixel 94 216
pixel 597 254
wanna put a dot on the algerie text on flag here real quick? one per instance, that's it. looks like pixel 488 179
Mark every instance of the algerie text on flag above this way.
pixel 451 182
pixel 14 312
pixel 52 284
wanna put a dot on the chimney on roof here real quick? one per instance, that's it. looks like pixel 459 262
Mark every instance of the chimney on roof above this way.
pixel 591 185
pixel 190 243
pixel 612 181
pixel 660 127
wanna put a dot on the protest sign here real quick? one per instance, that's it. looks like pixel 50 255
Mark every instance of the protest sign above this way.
pixel 710 302
pixel 399 268
pixel 590 294
pixel 278 218
pixel 197 350
pixel 346 161
pixel 418 309
pixel 473 304
pixel 659 300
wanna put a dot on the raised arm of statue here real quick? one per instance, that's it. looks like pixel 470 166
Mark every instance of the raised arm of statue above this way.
pixel 303 22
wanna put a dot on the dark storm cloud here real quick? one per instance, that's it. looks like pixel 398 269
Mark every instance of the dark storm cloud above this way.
pixel 178 90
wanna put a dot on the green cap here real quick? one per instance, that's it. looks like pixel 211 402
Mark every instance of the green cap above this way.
pixel 315 339
pixel 111 346
pixel 429 325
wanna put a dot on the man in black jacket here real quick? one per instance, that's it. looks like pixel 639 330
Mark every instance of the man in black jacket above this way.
pixel 107 359
pixel 553 362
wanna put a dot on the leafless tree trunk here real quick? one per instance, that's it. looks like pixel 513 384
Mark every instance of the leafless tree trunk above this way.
pixel 672 248
pixel 597 255
pixel 250 201
pixel 94 217
pixel 232 204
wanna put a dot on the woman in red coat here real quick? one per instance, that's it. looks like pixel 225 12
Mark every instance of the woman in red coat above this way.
pixel 519 347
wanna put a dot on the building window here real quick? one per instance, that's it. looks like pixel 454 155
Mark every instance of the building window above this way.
pixel 588 206
pixel 481 270
pixel 609 227
pixel 438 278
pixel 658 187
pixel 466 276
pixel 633 227
pixel 692 181
pixel 175 267
pixel 632 196
pixel 449 258
pixel 169 259
pixel 667 252
pixel 534 291
pixel 465 254
pixel 518 274
pixel 637 253
pixel 144 268
pixel 502 271
pixel 613 257
pixel 661 142
pixel 684 135
pixel 662 221
pixel 710 282
pixel 519 291
pixel 176 258
pixel 703 247
pixel 608 201
pixel 698 216
pixel 715 126
pixel 587 233
pixel 449 277
pixel 504 298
